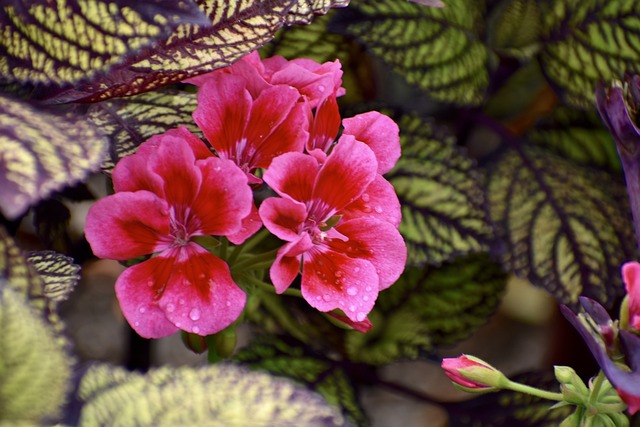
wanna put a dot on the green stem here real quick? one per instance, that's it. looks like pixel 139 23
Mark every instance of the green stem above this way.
pixel 256 239
pixel 595 388
pixel 269 288
pixel 255 260
pixel 284 319
pixel 224 244
pixel 523 388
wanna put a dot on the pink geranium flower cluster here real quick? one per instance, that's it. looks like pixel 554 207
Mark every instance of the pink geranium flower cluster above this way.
pixel 272 122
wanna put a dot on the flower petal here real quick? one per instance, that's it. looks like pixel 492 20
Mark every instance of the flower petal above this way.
pixel 631 278
pixel 225 199
pixel 224 106
pixel 380 133
pixel 292 175
pixel 286 266
pixel 201 297
pixel 128 225
pixel 378 242
pixel 379 201
pixel 250 226
pixel 283 217
pixel 331 280
pixel 346 174
pixel 326 125
pixel 137 290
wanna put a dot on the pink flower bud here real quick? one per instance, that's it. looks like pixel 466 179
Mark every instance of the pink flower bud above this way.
pixel 472 374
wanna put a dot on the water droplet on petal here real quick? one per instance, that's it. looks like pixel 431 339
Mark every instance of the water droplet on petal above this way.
pixel 355 270
pixel 170 308
pixel 365 197
pixel 194 314
pixel 361 316
pixel 318 297
pixel 378 209
pixel 352 308
pixel 181 301
pixel 338 273
pixel 228 303
pixel 366 208
pixel 368 288
pixel 352 291
pixel 201 276
pixel 142 309
pixel 326 297
pixel 196 330
pixel 178 324
pixel 150 283
pixel 365 298
pixel 217 169
pixel 321 88
pixel 136 324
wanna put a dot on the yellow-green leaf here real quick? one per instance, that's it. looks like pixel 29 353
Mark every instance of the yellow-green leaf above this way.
pixel 215 395
pixel 442 200
pixel 58 272
pixel 437 49
pixel 515 26
pixel 235 29
pixel 131 121
pixel 586 41
pixel 564 227
pixel 65 41
pixel 42 152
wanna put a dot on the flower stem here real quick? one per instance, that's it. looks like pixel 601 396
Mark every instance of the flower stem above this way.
pixel 269 288
pixel 263 260
pixel 595 388
pixel 523 388
pixel 284 319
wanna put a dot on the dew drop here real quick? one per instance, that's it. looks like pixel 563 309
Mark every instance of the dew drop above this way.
pixel 195 329
pixel 378 209
pixel 368 288
pixel 352 291
pixel 178 324
pixel 228 303
pixel 365 197
pixel 357 269
pixel 201 276
pixel 136 324
pixel 366 208
pixel 321 88
pixel 170 308
pixel 150 283
pixel 326 297
pixel 352 308
pixel 318 297
pixel 194 314
pixel 181 301
pixel 217 169
pixel 365 298
pixel 361 316
pixel 142 309
pixel 339 273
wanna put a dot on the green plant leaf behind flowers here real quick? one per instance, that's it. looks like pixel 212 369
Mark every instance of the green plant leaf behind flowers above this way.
pixel 565 227
pixel 215 395
pixel 234 29
pixel 130 121
pixel 303 365
pixel 441 194
pixel 35 359
pixel 58 272
pixel 578 136
pixel 514 28
pixel 428 308
pixel 436 49
pixel 63 42
pixel 585 41
pixel 509 408
pixel 42 152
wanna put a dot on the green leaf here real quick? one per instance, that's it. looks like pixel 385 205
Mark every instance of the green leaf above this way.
pixel 35 370
pixel 509 408
pixel 440 191
pixel 305 366
pixel 131 121
pixel 586 41
pixel 564 227
pixel 58 272
pixel 429 308
pixel 578 136
pixel 437 50
pixel 42 152
pixel 65 41
pixel 514 28
pixel 235 29
pixel 215 395
pixel 35 367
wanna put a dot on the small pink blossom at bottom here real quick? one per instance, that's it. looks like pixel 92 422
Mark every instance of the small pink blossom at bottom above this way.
pixel 631 278
pixel 465 372
pixel 170 191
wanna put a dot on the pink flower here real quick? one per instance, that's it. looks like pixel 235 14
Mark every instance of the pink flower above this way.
pixel 169 192
pixel 631 278
pixel 248 130
pixel 472 374
pixel 347 257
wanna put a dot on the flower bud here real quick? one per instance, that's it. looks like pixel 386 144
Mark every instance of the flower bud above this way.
pixel 472 374
pixel 618 108
pixel 574 390
pixel 194 342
